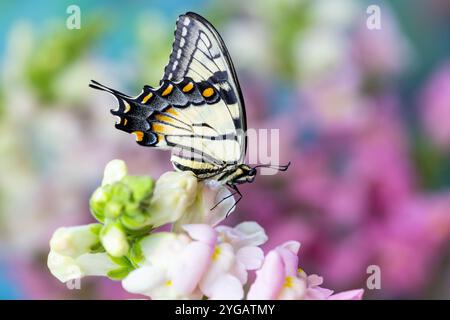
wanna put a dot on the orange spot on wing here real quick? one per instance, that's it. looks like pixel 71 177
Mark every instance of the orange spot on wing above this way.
pixel 208 92
pixel 139 135
pixel 168 90
pixel 147 97
pixel 188 87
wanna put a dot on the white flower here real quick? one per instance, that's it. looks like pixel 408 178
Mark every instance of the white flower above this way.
pixel 174 192
pixel 70 256
pixel 200 262
pixel 236 252
pixel 213 203
pixel 179 197
pixel 173 265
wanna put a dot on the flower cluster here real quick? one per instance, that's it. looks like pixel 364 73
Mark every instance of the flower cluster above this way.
pixel 198 259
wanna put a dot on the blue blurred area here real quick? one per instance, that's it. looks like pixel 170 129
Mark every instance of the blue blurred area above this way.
pixel 121 17
pixel 8 288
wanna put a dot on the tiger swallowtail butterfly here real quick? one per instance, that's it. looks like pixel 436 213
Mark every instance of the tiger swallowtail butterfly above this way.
pixel 197 111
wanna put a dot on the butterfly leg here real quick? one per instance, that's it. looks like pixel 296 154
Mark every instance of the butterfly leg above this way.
pixel 236 191
pixel 235 188
pixel 223 199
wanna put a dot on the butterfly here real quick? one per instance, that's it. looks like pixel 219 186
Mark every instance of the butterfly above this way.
pixel 197 111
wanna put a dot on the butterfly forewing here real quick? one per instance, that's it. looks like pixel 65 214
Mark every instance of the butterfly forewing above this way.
pixel 199 53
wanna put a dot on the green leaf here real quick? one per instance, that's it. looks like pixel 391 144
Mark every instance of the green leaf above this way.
pixel 118 274
pixel 122 261
pixel 136 254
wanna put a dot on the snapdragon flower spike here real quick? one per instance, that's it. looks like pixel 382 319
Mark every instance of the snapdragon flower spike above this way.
pixel 196 260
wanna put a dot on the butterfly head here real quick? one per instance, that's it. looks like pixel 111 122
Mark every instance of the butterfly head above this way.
pixel 247 174
pixel 244 174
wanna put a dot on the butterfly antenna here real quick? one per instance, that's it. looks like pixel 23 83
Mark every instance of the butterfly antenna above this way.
pixel 97 85
pixel 279 168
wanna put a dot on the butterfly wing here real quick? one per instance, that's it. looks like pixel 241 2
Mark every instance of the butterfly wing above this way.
pixel 199 52
pixel 197 111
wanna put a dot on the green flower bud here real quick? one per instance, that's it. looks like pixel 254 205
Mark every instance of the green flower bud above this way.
pixel 119 192
pixel 142 187
pixel 97 204
pixel 113 209
pixel 114 240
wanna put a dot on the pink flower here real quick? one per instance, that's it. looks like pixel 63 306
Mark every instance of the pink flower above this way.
pixel 280 278
pixel 202 262
pixel 435 107
pixel 174 264
pixel 236 252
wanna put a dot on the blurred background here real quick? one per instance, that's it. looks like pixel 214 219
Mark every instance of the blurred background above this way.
pixel 364 118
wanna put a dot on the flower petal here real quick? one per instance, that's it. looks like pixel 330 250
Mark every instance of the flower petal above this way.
pixel 251 257
pixel 226 287
pixel 115 170
pixel 290 260
pixel 269 279
pixel 201 232
pixel 64 268
pixel 252 234
pixel 238 270
pixel 215 196
pixel 174 193
pixel 193 263
pixel 222 261
pixel 356 294
pixel 314 280
pixel 296 289
pixel 318 293
pixel 143 280
pixel 293 246
pixel 74 241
